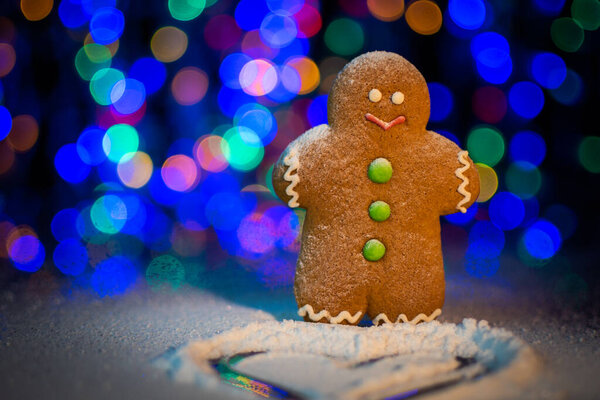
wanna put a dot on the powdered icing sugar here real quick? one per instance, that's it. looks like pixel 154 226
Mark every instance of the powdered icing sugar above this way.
pixel 426 352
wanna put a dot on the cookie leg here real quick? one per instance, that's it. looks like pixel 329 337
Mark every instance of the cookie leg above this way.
pixel 408 300
pixel 329 302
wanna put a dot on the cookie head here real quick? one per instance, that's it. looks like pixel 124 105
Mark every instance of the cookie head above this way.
pixel 381 91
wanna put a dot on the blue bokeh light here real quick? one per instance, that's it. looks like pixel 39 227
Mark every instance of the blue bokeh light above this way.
pixel 527 146
pixel 250 13
pixel 541 240
pixel 278 30
pixel 317 111
pixel 492 56
pixel 69 165
pixel 128 95
pixel 441 101
pixel 90 6
pixel 479 266
pixel 72 14
pixel 231 100
pixel 107 25
pixel 526 99
pixel 136 213
pixel 217 183
pixel 506 211
pixel 485 240
pixel 549 7
pixel 230 68
pixel 224 211
pixel 288 85
pixel 549 70
pixel 113 276
pixel 551 230
pixel 190 212
pixel 467 14
pixel 5 122
pixel 160 192
pixel 296 47
pixel 70 257
pixel 151 72
pixel 22 248
pixel 259 119
pixel 89 146
pixel 532 211
pixel 64 224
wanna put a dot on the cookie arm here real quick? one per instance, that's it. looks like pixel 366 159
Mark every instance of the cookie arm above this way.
pixel 468 187
pixel 292 172
pixel 460 180
pixel 286 177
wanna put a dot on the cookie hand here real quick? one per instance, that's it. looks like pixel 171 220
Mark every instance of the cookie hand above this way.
pixel 468 182
pixel 293 170
pixel 460 181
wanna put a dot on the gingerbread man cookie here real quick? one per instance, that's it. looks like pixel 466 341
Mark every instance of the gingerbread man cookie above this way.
pixel 374 184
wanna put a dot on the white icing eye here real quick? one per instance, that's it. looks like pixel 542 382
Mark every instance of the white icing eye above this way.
pixel 398 98
pixel 374 95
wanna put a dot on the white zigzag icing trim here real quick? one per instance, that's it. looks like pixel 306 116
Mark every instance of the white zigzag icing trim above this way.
pixel 462 157
pixel 402 317
pixel 307 309
pixel 292 162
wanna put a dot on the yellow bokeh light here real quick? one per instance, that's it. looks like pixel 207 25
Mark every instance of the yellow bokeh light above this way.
pixel 168 44
pixel 424 17
pixel 135 169
pixel 488 181
pixel 35 10
pixel 386 10
pixel 308 72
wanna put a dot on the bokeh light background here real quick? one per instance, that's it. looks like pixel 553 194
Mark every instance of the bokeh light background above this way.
pixel 137 138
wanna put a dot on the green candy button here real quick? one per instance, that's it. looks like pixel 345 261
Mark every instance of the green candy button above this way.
pixel 380 170
pixel 373 250
pixel 379 211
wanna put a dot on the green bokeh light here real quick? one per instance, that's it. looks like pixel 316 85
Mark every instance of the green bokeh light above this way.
pixel 523 179
pixel 587 13
pixel 486 145
pixel 90 59
pixel 109 214
pixel 242 148
pixel 567 34
pixel 165 272
pixel 186 10
pixel 344 37
pixel 102 84
pixel 120 140
pixel 589 154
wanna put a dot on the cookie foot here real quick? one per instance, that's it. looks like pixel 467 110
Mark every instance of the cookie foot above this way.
pixel 308 313
pixel 382 318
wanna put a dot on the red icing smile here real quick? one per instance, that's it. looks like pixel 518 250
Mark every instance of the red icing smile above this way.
pixel 385 125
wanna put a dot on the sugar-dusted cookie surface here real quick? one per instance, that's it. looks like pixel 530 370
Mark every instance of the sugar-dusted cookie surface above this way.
pixel 374 184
